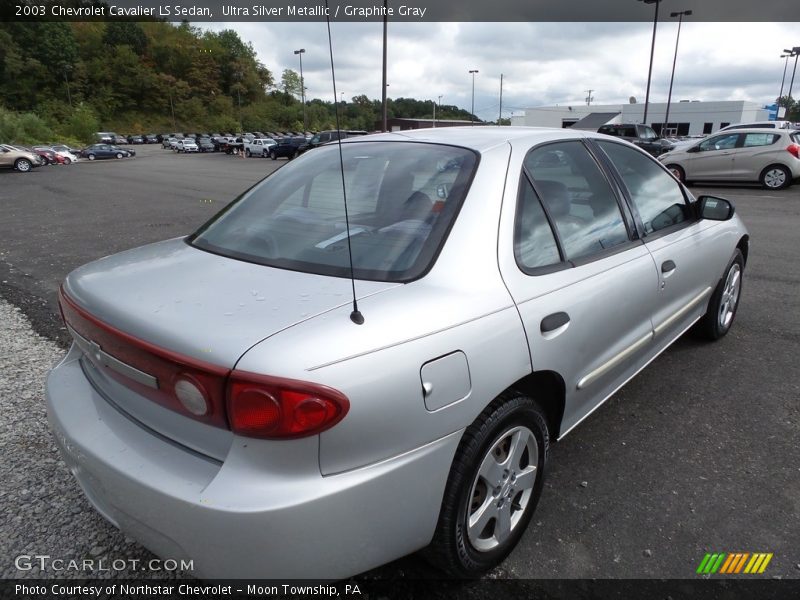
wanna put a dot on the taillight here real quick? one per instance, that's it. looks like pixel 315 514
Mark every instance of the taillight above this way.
pixel 794 150
pixel 276 408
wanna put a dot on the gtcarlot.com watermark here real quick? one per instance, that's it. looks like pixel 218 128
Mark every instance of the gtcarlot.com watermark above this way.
pixel 47 564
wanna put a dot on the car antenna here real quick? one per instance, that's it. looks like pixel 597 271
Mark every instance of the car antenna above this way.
pixel 355 316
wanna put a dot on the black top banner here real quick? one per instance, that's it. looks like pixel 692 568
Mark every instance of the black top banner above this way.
pixel 398 10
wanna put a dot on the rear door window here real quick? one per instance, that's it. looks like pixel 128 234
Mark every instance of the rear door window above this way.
pixel 760 139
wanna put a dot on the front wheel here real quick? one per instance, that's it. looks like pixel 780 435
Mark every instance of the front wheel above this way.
pixel 23 165
pixel 273 156
pixel 677 172
pixel 494 485
pixel 776 177
pixel 67 161
pixel 724 302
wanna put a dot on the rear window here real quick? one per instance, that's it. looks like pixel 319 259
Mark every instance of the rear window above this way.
pixel 619 131
pixel 402 199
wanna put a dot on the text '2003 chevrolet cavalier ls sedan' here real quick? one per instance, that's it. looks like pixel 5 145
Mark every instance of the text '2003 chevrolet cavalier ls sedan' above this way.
pixel 224 400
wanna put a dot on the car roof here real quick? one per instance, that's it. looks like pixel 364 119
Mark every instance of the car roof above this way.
pixel 480 138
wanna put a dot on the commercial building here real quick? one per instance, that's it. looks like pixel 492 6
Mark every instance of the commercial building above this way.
pixel 685 117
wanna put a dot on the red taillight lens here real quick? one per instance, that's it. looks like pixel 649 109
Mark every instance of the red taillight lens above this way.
pixel 277 408
pixel 794 150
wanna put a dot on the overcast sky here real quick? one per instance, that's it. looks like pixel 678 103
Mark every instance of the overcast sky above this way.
pixel 542 63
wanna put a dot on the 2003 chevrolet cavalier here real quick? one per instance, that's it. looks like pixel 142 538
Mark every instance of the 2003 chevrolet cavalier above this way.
pixel 219 403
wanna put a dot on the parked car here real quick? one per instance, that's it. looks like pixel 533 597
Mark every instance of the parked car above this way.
pixel 100 151
pixel 106 137
pixel 641 135
pixel 186 145
pixel 167 141
pixel 70 155
pixel 204 144
pixel 151 138
pixel 760 125
pixel 46 155
pixel 120 139
pixel 135 139
pixel 768 156
pixel 225 396
pixel 323 137
pixel 66 154
pixel 258 146
pixel 288 147
pixel 13 157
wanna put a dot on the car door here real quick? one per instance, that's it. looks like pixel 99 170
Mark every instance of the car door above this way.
pixel 713 158
pixel 757 151
pixel 5 158
pixel 583 283
pixel 689 253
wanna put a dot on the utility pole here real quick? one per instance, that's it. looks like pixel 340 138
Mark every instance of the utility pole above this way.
pixel 500 116
pixel 384 126
pixel 302 87
pixel 434 112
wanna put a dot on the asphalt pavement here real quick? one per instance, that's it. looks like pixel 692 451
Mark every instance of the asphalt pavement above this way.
pixel 699 453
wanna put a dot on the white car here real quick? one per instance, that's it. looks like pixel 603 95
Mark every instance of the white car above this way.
pixel 258 146
pixel 186 145
pixel 66 153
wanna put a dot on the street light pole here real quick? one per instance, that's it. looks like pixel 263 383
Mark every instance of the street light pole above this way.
pixel 472 112
pixel 302 87
pixel 680 15
pixel 783 80
pixel 652 51
pixel 500 115
pixel 384 109
pixel 66 79
pixel 434 112
pixel 795 52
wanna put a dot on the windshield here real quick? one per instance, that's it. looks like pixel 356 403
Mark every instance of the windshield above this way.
pixel 402 199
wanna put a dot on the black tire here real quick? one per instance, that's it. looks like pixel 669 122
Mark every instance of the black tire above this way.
pixel 272 155
pixel 67 160
pixel 296 154
pixel 453 548
pixel 247 153
pixel 724 301
pixel 678 173
pixel 91 157
pixel 23 165
pixel 118 155
pixel 775 177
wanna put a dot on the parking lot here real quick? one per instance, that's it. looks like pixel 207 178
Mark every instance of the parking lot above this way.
pixel 699 453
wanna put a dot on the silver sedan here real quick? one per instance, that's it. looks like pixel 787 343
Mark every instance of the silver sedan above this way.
pixel 308 388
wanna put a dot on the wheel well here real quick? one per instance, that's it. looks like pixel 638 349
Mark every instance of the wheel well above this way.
pixel 744 247
pixel 547 388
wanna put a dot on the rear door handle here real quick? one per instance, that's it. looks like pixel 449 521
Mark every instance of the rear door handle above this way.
pixel 668 266
pixel 553 322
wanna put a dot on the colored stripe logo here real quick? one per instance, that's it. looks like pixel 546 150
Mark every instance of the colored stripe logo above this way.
pixel 734 563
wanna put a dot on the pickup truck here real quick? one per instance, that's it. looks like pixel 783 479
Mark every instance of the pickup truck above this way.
pixel 641 135
pixel 231 145
pixel 258 147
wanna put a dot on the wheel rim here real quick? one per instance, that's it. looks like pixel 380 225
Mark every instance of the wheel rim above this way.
pixel 775 178
pixel 676 173
pixel 502 489
pixel 730 296
pixel 23 166
pixel 91 157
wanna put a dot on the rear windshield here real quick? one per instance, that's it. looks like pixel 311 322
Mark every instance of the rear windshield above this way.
pixel 402 198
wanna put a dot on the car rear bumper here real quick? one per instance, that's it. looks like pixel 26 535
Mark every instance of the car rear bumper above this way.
pixel 265 512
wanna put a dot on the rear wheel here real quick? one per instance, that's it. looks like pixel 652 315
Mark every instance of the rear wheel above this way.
pixel 91 157
pixel 247 153
pixel 494 485
pixel 118 155
pixel 677 172
pixel 724 302
pixel 67 161
pixel 776 177
pixel 273 156
pixel 23 165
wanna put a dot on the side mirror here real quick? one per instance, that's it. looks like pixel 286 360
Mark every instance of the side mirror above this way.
pixel 715 209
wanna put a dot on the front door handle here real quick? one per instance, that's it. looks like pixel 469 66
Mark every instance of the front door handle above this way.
pixel 553 322
pixel 668 266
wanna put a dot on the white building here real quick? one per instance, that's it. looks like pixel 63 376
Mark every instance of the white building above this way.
pixel 685 117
